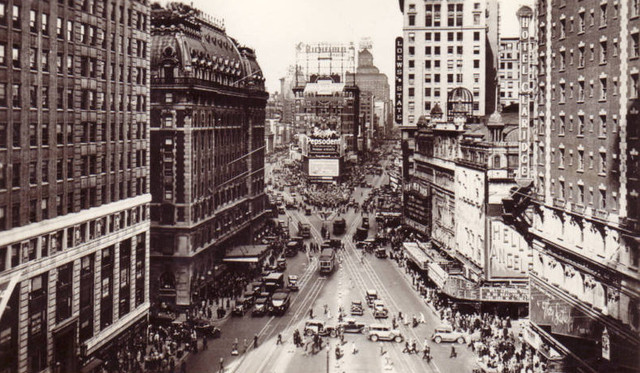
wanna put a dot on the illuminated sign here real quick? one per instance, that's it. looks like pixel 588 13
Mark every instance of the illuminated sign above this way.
pixel 399 78
pixel 524 128
pixel 324 167
pixel 330 149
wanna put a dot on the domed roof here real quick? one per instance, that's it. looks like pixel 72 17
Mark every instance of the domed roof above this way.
pixel 436 109
pixel 460 94
pixel 186 37
pixel 495 120
pixel 524 11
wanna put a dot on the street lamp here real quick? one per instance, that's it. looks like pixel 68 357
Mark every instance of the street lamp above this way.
pixel 524 14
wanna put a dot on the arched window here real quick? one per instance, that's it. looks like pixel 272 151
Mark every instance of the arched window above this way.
pixel 496 161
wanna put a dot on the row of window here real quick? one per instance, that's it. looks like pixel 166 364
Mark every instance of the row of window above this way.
pixel 437 36
pixel 89 165
pixel 90 132
pixel 604 13
pixel 38 210
pixel 90 99
pixel 600 125
pixel 52 243
pixel 433 15
pixel 576 193
pixel 565 160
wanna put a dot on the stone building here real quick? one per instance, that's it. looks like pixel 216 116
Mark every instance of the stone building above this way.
pixel 207 139
pixel 74 187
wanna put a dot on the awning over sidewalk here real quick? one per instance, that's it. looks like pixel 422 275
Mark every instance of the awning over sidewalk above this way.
pixel 415 253
pixel 245 254
pixel 6 289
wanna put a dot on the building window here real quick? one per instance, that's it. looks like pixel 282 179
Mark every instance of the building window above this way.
pixel 603 163
pixel 603 52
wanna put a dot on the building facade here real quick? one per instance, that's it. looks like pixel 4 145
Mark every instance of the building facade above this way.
pixel 374 92
pixel 585 284
pixel 74 170
pixel 509 71
pixel 207 140
pixel 453 199
pixel 448 45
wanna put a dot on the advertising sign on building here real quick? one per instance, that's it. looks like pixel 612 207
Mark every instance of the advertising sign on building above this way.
pixel 324 167
pixel 399 78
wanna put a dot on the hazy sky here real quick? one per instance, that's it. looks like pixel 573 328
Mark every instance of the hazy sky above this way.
pixel 274 27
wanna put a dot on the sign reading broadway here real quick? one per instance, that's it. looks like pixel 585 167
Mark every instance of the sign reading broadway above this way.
pixel 399 78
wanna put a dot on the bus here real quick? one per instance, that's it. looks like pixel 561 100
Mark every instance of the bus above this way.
pixel 304 229
pixel 273 281
pixel 339 226
pixel 327 260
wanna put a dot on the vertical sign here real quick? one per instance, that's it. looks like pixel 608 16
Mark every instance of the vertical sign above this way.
pixel 524 128
pixel 399 78
pixel 606 345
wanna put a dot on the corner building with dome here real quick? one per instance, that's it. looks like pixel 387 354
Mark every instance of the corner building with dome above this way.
pixel 207 151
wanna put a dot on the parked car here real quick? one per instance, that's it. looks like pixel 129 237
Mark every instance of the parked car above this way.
pixel 356 308
pixel 351 326
pixel 281 265
pixel 381 253
pixel 381 332
pixel 445 333
pixel 239 309
pixel 203 328
pixel 312 327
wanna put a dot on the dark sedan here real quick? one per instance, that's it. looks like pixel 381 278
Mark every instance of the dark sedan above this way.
pixel 351 326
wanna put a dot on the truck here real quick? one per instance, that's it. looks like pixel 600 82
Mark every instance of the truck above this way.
pixel 280 301
pixel 339 226
pixel 327 260
pixel 274 281
pixel 304 229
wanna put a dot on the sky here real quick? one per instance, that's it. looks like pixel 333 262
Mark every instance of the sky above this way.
pixel 274 27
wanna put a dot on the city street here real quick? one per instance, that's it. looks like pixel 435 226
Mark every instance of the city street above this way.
pixel 353 276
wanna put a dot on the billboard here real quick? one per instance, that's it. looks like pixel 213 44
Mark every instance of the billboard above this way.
pixel 399 78
pixel 324 167
pixel 320 149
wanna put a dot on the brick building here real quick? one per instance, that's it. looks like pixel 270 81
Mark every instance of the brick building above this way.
pixel 74 172
pixel 583 220
pixel 207 139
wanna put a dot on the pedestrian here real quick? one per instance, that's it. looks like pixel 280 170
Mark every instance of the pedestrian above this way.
pixel 221 364
pixel 279 341
pixel 255 341
pixel 354 350
pixel 311 313
pixel 204 342
pixel 453 352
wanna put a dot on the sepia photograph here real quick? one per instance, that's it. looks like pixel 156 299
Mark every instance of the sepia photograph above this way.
pixel 319 186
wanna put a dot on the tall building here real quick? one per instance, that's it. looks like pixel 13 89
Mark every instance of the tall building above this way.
pixel 509 71
pixel 448 45
pixel 374 91
pixel 74 172
pixel 207 150
pixel 584 215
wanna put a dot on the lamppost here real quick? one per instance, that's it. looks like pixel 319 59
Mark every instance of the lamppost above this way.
pixel 524 14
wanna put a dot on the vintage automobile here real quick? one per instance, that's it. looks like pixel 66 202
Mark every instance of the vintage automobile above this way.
pixel 371 296
pixel 312 327
pixel 356 308
pixel 382 332
pixel 281 265
pixel 381 253
pixel 351 326
pixel 445 333
pixel 293 282
pixel 204 328
pixel 240 308
pixel 260 308
pixel 379 310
